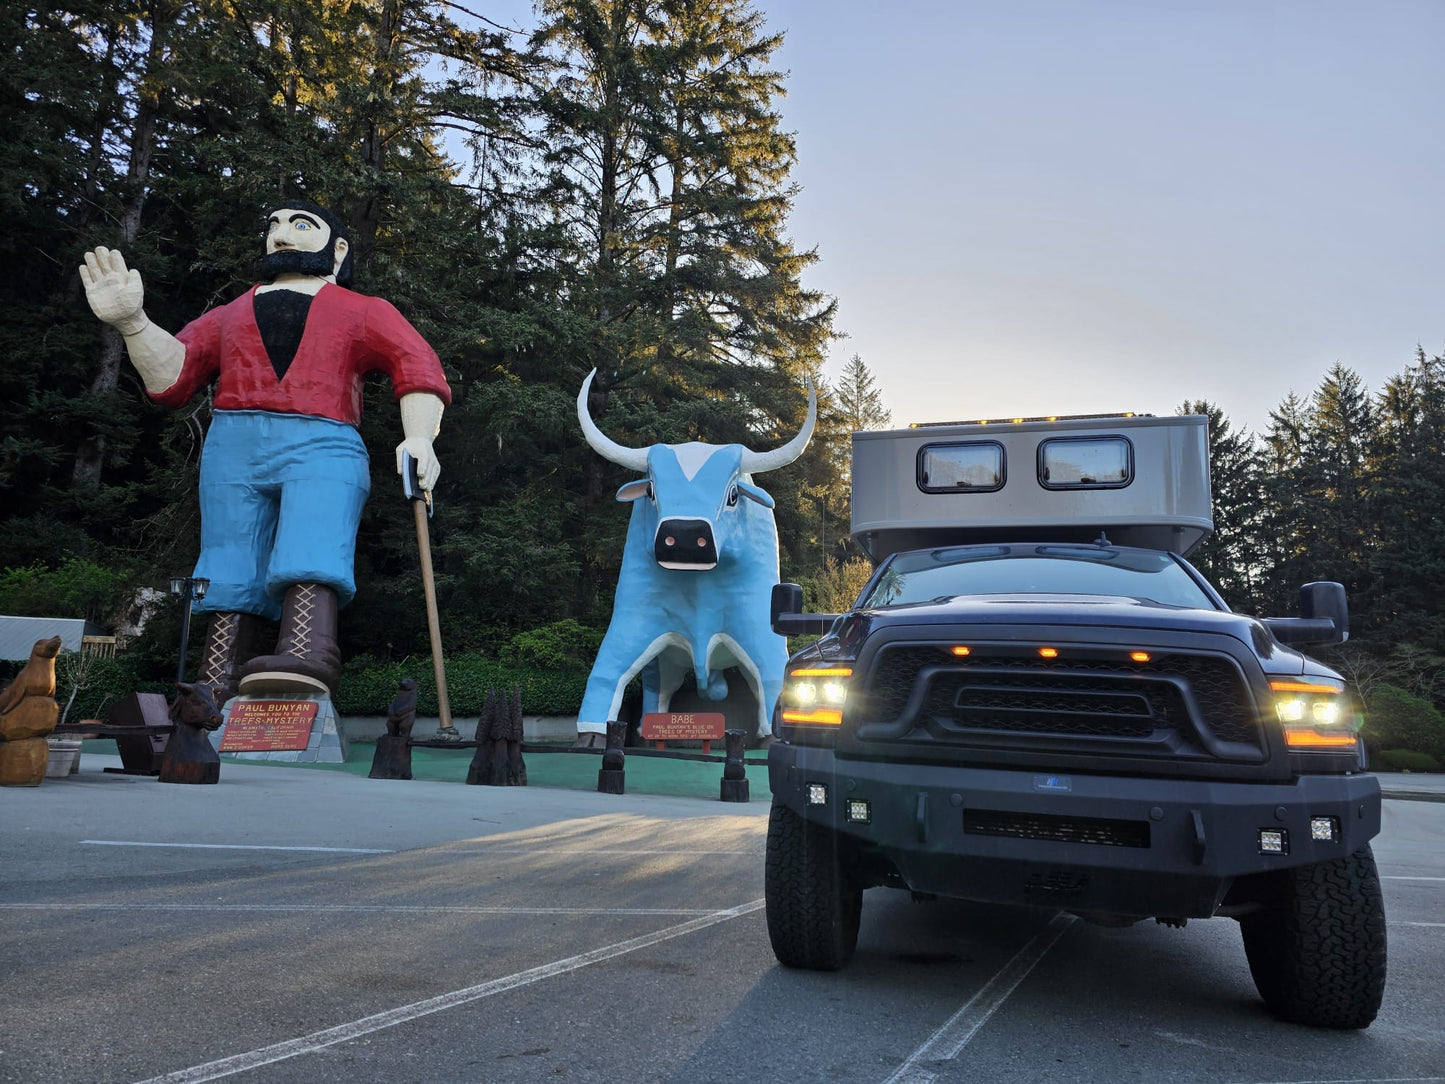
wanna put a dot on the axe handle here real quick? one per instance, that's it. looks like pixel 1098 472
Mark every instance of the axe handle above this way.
pixel 429 587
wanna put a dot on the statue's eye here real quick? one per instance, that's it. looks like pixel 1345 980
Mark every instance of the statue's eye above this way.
pixel 732 496
pixel 302 224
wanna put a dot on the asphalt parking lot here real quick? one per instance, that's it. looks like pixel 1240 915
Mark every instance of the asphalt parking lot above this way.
pixel 296 925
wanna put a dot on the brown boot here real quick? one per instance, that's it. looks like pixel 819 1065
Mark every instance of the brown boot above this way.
pixel 229 640
pixel 307 660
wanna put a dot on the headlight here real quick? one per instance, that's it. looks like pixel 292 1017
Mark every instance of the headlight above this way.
pixel 1315 714
pixel 816 694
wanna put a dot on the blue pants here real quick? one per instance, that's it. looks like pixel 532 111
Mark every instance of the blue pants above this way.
pixel 281 498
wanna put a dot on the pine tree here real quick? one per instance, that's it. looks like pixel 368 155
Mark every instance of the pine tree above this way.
pixel 1231 557
pixel 859 399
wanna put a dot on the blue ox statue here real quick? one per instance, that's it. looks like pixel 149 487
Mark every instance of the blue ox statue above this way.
pixel 697 574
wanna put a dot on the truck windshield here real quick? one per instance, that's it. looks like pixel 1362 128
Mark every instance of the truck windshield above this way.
pixel 925 575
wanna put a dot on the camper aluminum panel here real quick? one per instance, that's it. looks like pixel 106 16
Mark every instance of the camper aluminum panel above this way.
pixel 1159 498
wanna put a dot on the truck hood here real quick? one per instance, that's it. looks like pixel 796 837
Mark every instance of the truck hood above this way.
pixel 1061 610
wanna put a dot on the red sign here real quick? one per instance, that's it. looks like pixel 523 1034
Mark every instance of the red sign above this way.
pixel 683 726
pixel 268 725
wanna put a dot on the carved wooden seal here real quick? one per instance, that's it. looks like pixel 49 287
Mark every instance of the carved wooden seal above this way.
pixel 37 678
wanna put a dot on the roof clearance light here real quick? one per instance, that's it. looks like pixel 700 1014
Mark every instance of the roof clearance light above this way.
pixel 1049 652
pixel 1139 656
pixel 960 650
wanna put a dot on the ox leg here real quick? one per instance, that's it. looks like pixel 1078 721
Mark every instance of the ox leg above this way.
pixel 671 674
pixel 765 681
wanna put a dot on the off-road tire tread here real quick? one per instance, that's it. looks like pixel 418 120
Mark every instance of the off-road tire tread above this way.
pixel 1317 952
pixel 813 904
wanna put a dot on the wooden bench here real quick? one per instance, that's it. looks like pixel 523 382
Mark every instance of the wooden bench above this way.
pixel 140 726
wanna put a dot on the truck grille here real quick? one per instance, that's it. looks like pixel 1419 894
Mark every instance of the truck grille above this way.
pixel 1097 830
pixel 1014 691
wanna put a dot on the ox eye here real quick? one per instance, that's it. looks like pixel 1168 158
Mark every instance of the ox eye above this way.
pixel 732 496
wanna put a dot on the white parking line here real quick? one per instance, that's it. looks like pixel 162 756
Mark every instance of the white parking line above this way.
pixel 319 1040
pixel 595 852
pixel 1402 877
pixel 346 908
pixel 232 846
pixel 946 1043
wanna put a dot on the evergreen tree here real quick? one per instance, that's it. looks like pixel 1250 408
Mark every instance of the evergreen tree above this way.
pixel 1231 557
pixel 859 399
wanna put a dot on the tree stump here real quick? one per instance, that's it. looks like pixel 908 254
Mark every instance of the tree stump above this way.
pixel 735 772
pixel 479 773
pixel 610 777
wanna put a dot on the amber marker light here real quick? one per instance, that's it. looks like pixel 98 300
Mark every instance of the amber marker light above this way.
pixel 960 650
pixel 1139 656
pixel 828 716
pixel 1049 652
pixel 1313 739
pixel 1303 687
pixel 823 671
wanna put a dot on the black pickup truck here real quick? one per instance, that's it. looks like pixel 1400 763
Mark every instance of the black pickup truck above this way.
pixel 1086 728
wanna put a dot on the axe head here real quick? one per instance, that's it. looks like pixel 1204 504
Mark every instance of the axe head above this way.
pixel 411 482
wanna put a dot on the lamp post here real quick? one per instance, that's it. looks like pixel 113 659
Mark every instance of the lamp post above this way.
pixel 189 589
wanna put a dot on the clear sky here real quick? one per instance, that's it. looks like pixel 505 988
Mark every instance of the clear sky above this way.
pixel 1076 206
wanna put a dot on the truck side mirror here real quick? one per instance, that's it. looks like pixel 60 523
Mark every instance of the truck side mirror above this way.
pixel 1324 616
pixel 1325 599
pixel 787 617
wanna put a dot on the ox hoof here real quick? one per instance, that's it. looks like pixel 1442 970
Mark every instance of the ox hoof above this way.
pixel 591 741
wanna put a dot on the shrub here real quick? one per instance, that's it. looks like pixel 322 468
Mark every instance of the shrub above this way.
pixel 367 686
pixel 565 645
pixel 1403 760
pixel 98 683
pixel 1395 719
pixel 75 588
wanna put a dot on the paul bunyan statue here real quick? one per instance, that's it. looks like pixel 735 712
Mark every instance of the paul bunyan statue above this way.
pixel 284 473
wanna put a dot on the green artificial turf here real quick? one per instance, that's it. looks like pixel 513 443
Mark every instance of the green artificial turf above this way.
pixel 564 770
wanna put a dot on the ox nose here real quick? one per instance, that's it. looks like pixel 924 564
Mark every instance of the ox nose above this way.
pixel 686 544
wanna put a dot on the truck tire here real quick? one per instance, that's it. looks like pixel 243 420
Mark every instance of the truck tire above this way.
pixel 1317 950
pixel 813 905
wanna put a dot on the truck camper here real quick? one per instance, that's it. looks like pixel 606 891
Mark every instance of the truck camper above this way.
pixel 1037 700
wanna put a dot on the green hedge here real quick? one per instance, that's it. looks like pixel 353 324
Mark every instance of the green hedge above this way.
pixel 1396 719
pixel 1403 760
pixel 367 686
pixel 104 681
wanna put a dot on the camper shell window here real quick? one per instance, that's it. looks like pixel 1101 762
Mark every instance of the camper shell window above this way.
pixel 1086 462
pixel 975 466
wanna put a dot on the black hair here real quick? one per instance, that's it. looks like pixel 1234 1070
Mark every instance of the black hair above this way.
pixel 338 229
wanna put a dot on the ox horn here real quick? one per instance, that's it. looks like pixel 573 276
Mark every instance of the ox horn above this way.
pixel 758 462
pixel 631 458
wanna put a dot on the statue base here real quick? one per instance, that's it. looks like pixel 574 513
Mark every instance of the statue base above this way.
pixel 294 729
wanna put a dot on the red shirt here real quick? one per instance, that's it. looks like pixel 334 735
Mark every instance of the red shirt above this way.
pixel 347 336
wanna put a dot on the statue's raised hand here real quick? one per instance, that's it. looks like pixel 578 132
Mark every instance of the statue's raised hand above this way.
pixel 114 292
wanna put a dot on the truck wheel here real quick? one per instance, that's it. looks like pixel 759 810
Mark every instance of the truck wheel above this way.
pixel 813 905
pixel 1317 950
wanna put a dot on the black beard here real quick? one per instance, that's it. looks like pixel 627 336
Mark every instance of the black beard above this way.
pixel 294 260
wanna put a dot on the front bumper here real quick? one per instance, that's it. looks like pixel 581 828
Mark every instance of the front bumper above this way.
pixel 1114 844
